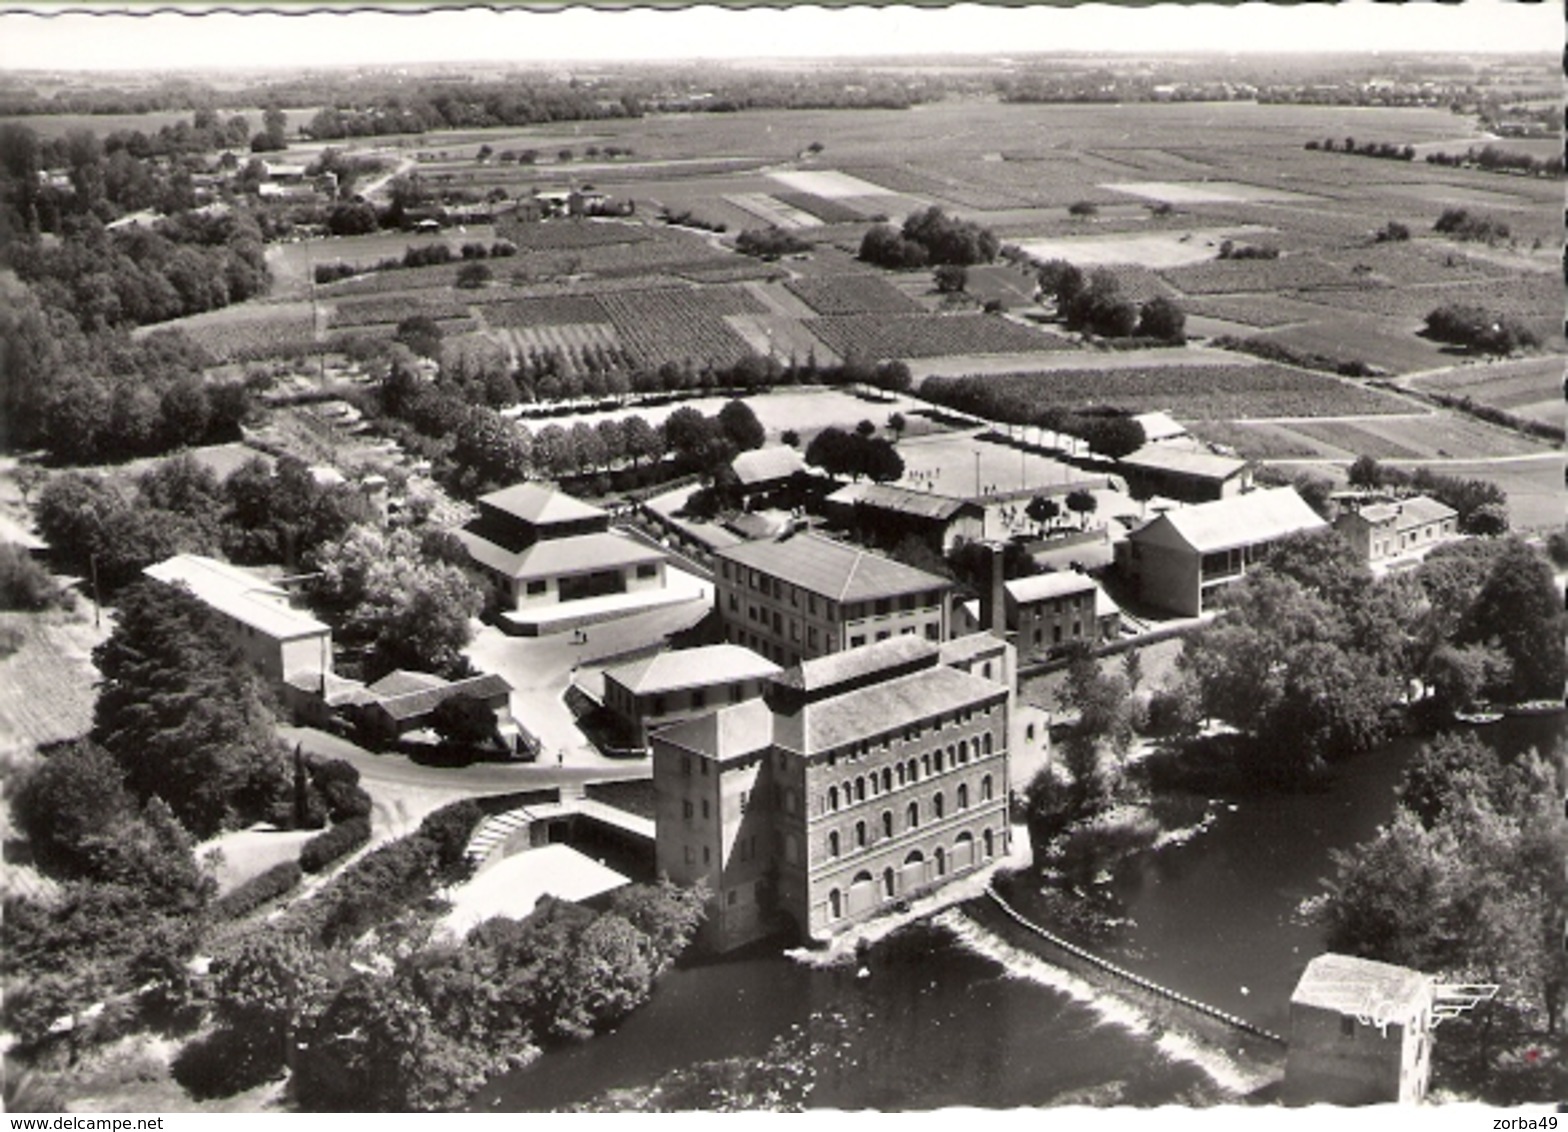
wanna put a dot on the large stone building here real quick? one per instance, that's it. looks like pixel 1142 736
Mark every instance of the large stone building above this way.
pixel 857 781
pixel 279 641
pixel 544 550
pixel 1407 528
pixel 1360 1033
pixel 1176 560
pixel 802 596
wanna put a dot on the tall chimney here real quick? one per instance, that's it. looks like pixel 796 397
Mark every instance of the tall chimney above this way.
pixel 993 597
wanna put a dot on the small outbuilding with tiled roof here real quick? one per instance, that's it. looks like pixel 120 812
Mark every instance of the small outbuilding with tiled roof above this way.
pixel 659 690
pixel 1360 1033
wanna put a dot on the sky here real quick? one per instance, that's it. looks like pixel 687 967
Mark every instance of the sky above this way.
pixel 69 39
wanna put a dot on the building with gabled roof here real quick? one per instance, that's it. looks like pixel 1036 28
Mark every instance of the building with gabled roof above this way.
pixel 803 595
pixel 855 782
pixel 671 686
pixel 405 701
pixel 1177 558
pixel 1158 426
pixel 1191 475
pixel 1360 1033
pixel 1404 528
pixel 542 548
pixel 279 641
pixel 766 469
pixel 887 511
pixel 1047 612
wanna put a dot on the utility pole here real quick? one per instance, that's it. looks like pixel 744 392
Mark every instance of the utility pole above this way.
pixel 97 605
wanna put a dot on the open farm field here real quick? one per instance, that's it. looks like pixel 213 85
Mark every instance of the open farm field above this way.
pixel 1447 194
pixel 393 309
pixel 1300 272
pixel 47 686
pixel 1415 263
pixel 247 331
pixel 1264 310
pixel 1199 393
pixel 825 209
pixel 773 212
pixel 560 309
pixel 1526 295
pixel 924 336
pixel 1012 286
pixel 1530 387
pixel 1075 357
pixel 781 336
pixel 559 338
pixel 1256 441
pixel 1172 249
pixel 860 293
pixel 572 233
pixel 1439 435
pixel 1350 336
pixel 738 269
pixel 1206 192
pixel 680 325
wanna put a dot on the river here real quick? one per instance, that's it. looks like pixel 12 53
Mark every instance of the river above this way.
pixel 952 1015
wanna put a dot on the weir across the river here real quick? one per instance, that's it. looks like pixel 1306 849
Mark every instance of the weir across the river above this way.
pixel 1130 976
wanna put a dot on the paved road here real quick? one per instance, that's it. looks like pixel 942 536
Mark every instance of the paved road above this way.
pixel 397 771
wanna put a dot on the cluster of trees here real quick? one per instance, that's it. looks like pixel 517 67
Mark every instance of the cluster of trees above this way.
pixel 1229 249
pixel 95 397
pixel 140 275
pixel 929 236
pixel 1386 150
pixel 401 596
pixel 1481 506
pixel 258 514
pixel 1095 303
pixel 1467 884
pixel 770 243
pixel 1476 328
pixel 1495 160
pixel 27 586
pixel 182 746
pixel 1392 233
pixel 428 1034
pixel 425 1024
pixel 1313 658
pixel 840 453
pixel 1463 224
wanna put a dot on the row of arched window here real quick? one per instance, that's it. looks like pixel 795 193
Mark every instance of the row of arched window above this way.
pixel 862 832
pixel 906 773
pixel 866 891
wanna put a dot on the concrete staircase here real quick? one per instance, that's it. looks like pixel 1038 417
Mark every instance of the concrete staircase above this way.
pixel 493 832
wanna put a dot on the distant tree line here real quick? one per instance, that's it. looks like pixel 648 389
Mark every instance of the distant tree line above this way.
pixel 1493 159
pixel 1385 150
pixel 1110 432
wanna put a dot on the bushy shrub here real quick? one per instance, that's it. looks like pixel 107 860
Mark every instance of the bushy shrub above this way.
pixel 333 844
pixel 258 890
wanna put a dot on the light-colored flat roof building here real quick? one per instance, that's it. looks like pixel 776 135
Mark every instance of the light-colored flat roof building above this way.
pixel 277 639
